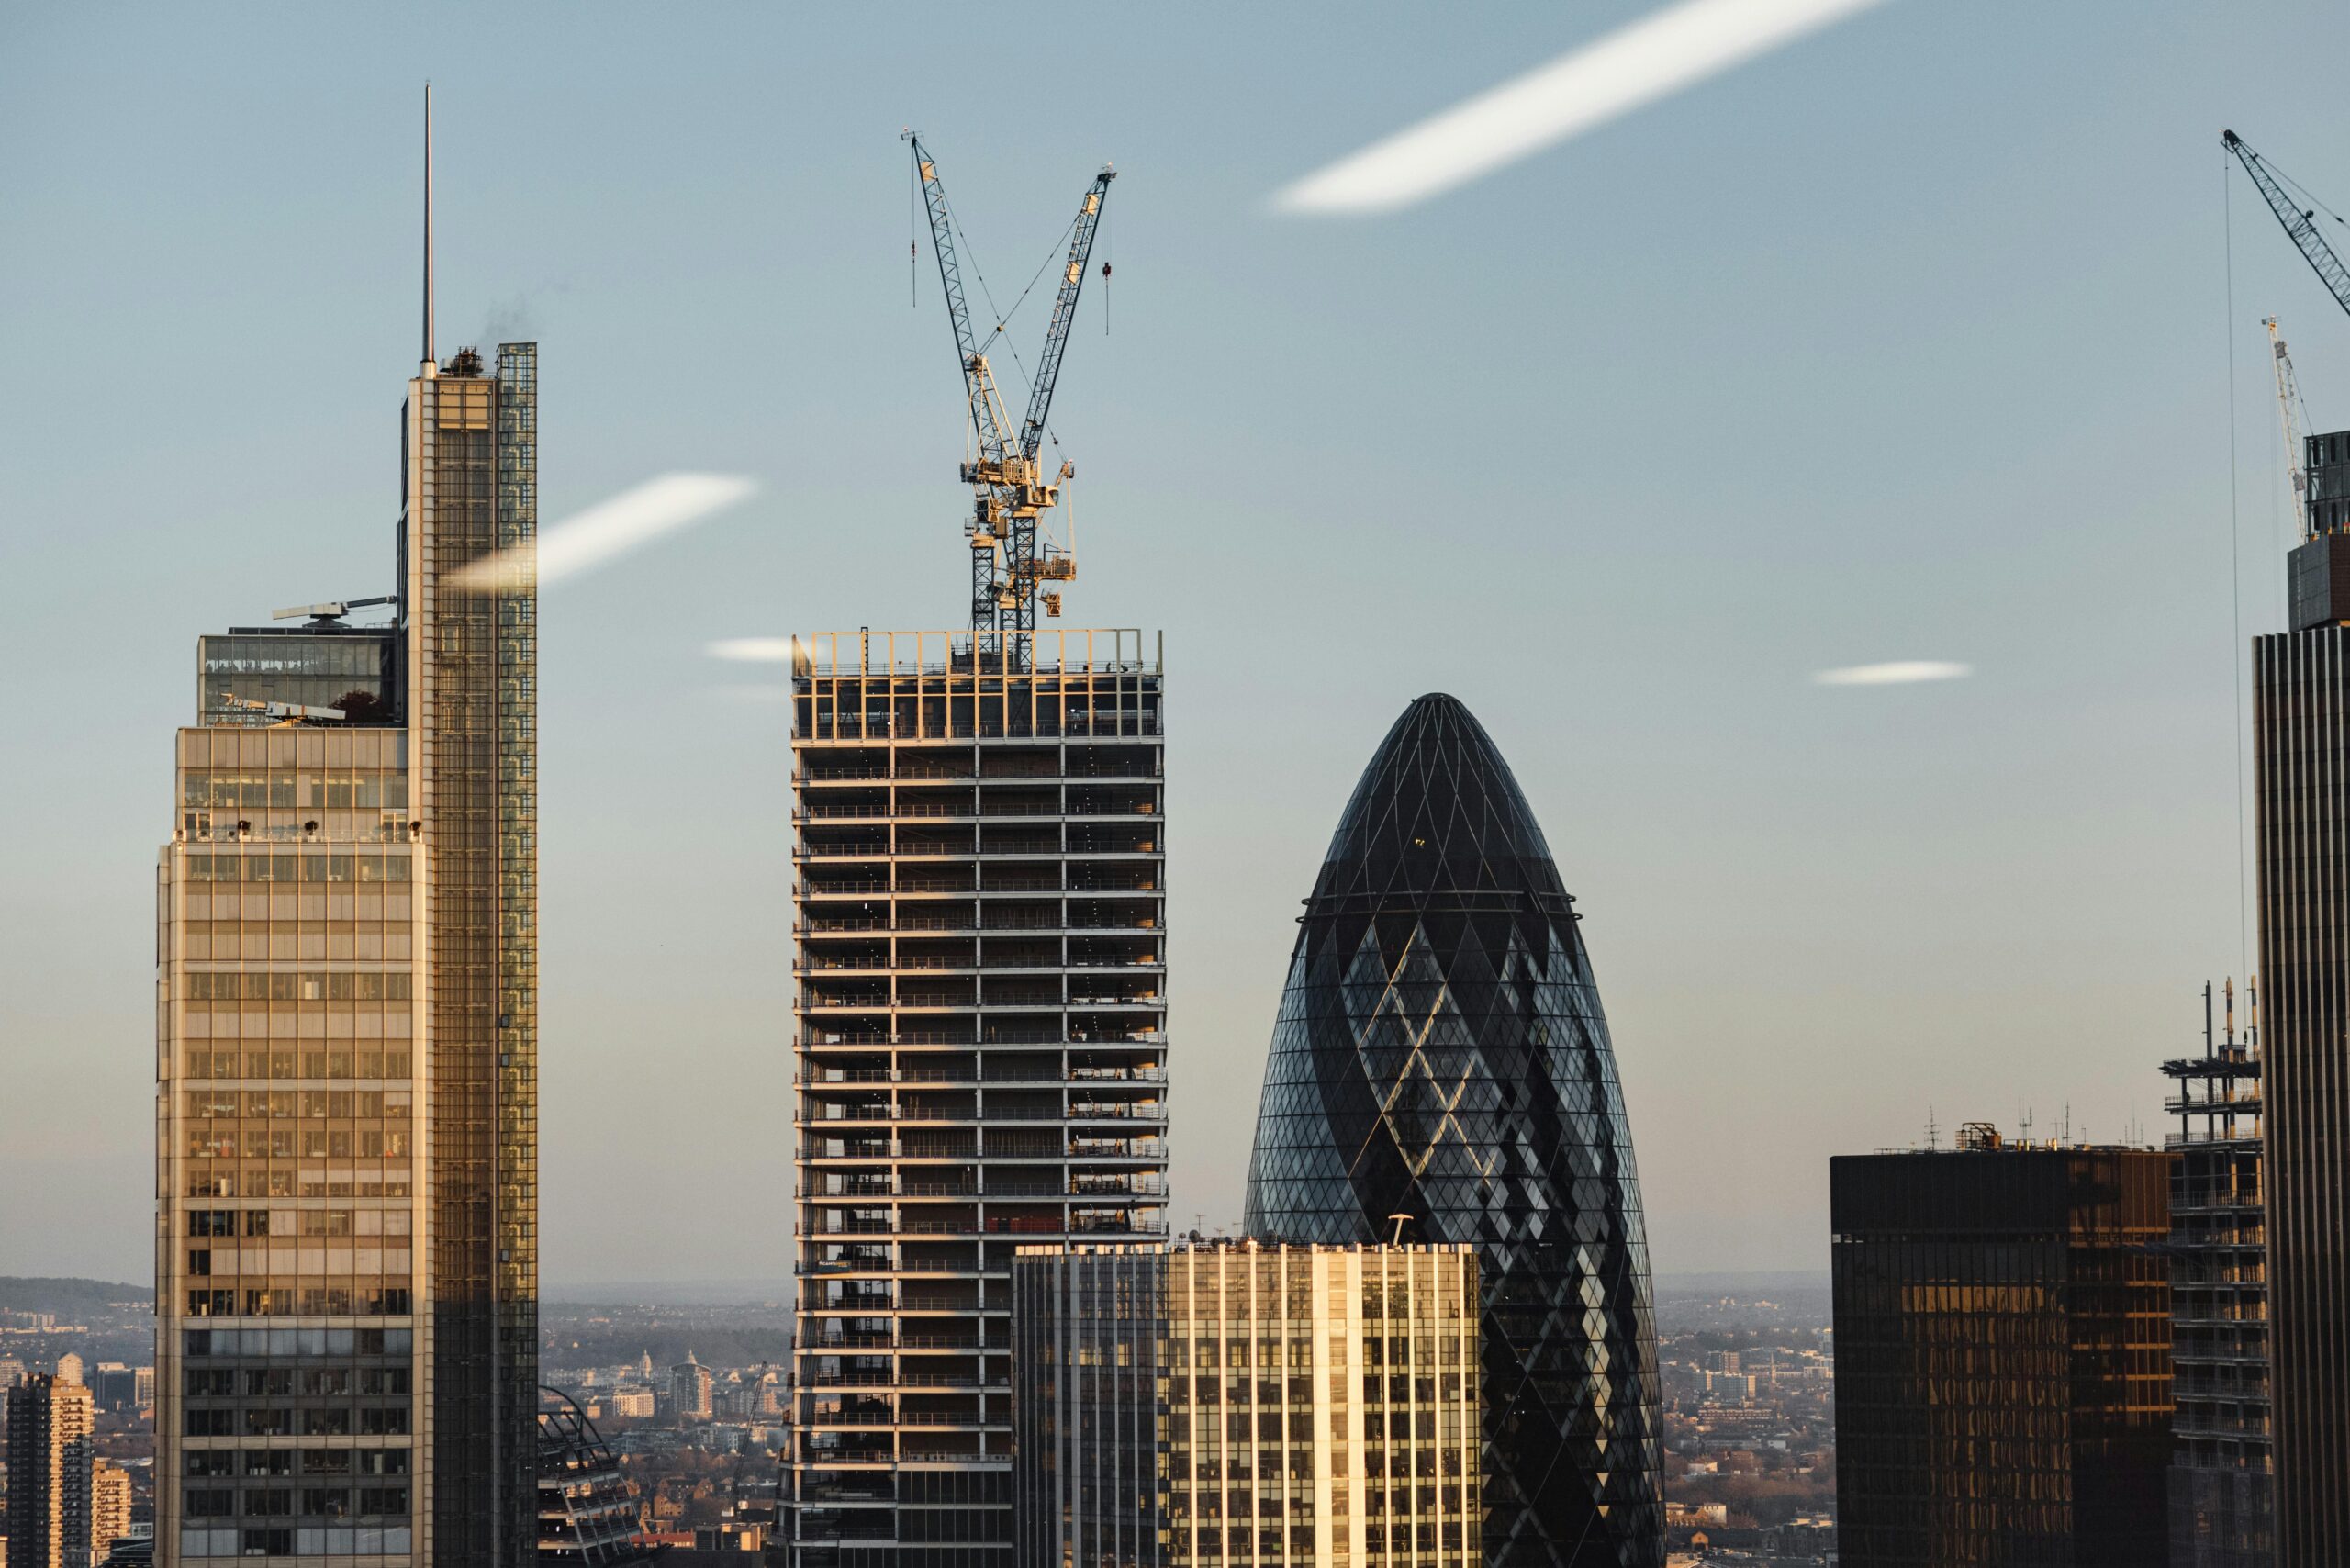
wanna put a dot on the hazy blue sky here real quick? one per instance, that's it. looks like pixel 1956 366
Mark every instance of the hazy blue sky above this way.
pixel 1907 342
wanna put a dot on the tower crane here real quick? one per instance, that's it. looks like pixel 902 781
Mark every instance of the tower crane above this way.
pixel 1009 491
pixel 2289 399
pixel 2300 222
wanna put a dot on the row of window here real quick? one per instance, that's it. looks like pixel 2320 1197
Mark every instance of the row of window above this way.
pixel 284 1104
pixel 277 1421
pixel 285 1382
pixel 208 1180
pixel 287 866
pixel 282 1342
pixel 298 1222
pixel 314 1502
pixel 306 1300
pixel 288 791
pixel 365 1541
pixel 210 1464
pixel 213 1140
pixel 322 1262
pixel 288 1061
pixel 282 985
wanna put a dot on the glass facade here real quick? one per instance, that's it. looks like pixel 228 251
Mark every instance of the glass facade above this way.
pixel 290 930
pixel 2003 1372
pixel 352 668
pixel 981 1055
pixel 1232 1403
pixel 346 1257
pixel 2301 746
pixel 1440 1055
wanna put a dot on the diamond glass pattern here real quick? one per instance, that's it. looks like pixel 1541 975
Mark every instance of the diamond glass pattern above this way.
pixel 1440 1054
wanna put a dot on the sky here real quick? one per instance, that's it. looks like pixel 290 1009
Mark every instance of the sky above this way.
pixel 1912 341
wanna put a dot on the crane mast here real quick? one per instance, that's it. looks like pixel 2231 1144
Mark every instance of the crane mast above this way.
pixel 1009 491
pixel 2298 223
pixel 2288 397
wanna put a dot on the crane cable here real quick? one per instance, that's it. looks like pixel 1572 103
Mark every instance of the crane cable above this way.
pixel 2235 561
pixel 2301 190
pixel 1004 318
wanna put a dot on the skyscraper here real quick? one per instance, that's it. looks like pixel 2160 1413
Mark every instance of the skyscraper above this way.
pixel 1440 1060
pixel 2301 764
pixel 346 1265
pixel 2221 1489
pixel 1232 1402
pixel 982 1054
pixel 2003 1381
pixel 49 1423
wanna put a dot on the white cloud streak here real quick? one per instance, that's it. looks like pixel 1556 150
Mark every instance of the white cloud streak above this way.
pixel 751 650
pixel 1901 672
pixel 628 521
pixel 1634 66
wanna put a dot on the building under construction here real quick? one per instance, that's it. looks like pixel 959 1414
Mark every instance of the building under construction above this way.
pixel 2222 1480
pixel 980 930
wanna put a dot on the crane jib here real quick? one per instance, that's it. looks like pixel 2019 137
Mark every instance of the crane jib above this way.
pixel 2299 224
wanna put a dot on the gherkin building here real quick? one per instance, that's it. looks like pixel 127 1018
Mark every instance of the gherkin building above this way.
pixel 1440 1054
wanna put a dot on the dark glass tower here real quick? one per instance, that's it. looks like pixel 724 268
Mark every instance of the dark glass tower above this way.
pixel 2003 1345
pixel 2301 758
pixel 1442 1055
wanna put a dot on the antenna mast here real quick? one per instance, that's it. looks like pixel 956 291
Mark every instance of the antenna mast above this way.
pixel 427 224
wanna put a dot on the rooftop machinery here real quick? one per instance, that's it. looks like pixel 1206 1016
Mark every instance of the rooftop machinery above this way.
pixel 1009 489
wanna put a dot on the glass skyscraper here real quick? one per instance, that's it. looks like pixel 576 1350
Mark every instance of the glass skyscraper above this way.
pixel 2003 1345
pixel 347 1041
pixel 1441 1065
pixel 2301 763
